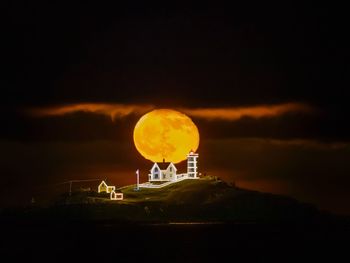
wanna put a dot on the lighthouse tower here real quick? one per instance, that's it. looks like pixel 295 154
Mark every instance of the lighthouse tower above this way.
pixel 192 166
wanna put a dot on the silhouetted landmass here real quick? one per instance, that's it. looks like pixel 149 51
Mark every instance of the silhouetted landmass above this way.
pixel 205 200
pixel 235 225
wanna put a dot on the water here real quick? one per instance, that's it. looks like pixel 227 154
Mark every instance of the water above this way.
pixel 174 242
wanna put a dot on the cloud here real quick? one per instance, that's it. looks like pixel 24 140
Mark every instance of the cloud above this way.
pixel 116 111
pixel 256 112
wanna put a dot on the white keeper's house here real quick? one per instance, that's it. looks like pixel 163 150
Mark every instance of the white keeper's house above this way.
pixel 167 171
pixel 162 172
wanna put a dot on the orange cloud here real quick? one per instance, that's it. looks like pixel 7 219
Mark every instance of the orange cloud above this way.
pixel 116 111
pixel 232 114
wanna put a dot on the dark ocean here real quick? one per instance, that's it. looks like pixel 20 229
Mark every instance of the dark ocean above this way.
pixel 213 242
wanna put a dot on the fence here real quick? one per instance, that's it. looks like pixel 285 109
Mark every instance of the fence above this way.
pixel 179 178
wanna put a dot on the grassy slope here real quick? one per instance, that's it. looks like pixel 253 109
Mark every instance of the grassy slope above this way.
pixel 186 192
pixel 190 200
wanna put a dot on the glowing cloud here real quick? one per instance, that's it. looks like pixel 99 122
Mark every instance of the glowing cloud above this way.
pixel 233 114
pixel 117 111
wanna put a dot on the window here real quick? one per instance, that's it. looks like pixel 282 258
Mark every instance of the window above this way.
pixel 171 169
pixel 191 159
pixel 156 173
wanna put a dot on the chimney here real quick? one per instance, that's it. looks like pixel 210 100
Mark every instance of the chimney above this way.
pixel 163 160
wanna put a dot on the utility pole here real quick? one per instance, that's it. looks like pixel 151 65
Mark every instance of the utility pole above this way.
pixel 70 188
pixel 137 179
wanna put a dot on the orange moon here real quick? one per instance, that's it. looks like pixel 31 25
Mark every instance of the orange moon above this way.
pixel 165 134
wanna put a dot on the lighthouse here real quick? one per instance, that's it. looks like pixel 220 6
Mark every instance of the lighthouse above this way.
pixel 192 165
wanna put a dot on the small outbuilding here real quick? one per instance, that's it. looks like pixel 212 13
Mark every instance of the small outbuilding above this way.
pixel 116 196
pixel 103 187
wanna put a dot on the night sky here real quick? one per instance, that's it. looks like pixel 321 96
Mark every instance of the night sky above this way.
pixel 267 86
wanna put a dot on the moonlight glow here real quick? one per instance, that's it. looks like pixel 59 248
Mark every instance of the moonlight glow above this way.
pixel 165 134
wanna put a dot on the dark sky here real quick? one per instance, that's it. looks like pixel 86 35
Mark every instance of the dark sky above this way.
pixel 213 57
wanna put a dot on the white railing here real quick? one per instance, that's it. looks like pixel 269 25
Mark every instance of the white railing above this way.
pixel 179 178
pixel 150 185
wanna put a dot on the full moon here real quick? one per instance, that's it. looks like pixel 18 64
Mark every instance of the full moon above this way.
pixel 165 134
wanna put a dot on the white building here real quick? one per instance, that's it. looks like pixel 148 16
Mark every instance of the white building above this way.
pixel 167 172
pixel 103 187
pixel 109 189
pixel 162 172
pixel 116 196
pixel 192 165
